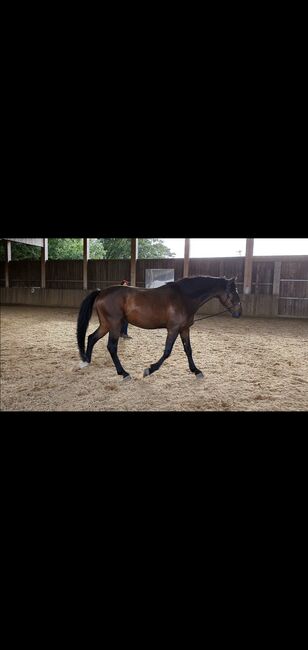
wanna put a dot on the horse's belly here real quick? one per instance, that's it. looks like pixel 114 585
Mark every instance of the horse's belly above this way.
pixel 144 321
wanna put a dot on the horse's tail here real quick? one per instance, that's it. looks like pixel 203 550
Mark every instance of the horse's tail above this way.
pixel 85 314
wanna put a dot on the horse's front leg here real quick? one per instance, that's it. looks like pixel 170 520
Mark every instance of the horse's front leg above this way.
pixel 171 338
pixel 187 347
pixel 112 348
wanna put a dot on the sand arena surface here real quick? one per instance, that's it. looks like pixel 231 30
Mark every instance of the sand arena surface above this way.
pixel 248 364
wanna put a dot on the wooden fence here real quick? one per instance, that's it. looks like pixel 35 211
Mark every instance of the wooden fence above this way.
pixel 279 283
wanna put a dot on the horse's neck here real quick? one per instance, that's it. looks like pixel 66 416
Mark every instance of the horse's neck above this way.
pixel 201 300
pixel 202 296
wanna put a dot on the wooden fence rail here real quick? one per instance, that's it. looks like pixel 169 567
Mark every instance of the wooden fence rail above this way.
pixel 281 281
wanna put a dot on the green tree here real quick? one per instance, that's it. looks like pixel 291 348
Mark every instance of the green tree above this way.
pixel 97 251
pixel 72 249
pixel 65 249
pixel 58 249
pixel 117 248
pixel 21 252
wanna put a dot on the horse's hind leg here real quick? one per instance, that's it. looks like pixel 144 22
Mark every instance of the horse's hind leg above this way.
pixel 171 338
pixel 187 347
pixel 113 350
pixel 92 339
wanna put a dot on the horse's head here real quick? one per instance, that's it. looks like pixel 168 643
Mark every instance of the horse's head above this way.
pixel 229 297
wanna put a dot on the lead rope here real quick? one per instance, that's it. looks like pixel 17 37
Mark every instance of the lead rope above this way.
pixel 210 316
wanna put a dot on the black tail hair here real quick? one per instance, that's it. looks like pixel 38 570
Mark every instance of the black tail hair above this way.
pixel 85 314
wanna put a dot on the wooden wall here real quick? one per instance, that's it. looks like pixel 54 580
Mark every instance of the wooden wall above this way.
pixel 290 300
pixel 26 273
pixel 102 274
pixel 293 297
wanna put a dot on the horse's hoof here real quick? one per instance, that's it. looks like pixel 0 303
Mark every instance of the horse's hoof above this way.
pixel 83 364
pixel 127 378
pixel 200 375
pixel 146 372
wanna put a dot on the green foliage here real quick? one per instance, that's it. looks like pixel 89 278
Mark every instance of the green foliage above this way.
pixel 97 251
pixel 58 249
pixel 65 249
pixel 21 252
pixel 117 248
pixel 72 249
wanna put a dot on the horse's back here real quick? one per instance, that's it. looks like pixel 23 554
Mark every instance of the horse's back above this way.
pixel 146 308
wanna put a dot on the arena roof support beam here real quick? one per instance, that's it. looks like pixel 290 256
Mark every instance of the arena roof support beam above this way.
pixel 7 259
pixel 133 262
pixel 248 266
pixel 29 242
pixel 86 257
pixel 44 259
pixel 186 258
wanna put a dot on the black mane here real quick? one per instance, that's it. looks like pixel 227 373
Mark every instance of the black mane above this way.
pixel 199 284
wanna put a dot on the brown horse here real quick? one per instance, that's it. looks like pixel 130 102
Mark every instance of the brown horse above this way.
pixel 171 306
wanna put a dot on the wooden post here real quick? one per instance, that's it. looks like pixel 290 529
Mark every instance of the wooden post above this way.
pixel 248 266
pixel 186 258
pixel 44 259
pixel 86 257
pixel 133 262
pixel 276 289
pixel 8 258
pixel 276 281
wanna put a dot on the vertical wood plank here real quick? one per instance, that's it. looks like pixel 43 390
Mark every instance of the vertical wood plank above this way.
pixel 86 257
pixel 133 262
pixel 248 266
pixel 186 258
